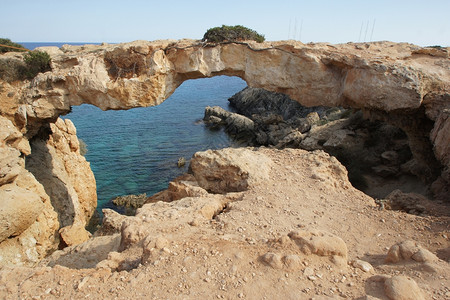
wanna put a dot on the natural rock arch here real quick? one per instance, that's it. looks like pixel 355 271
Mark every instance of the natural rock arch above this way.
pixel 399 83
pixel 377 76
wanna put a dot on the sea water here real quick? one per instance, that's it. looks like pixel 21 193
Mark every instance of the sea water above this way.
pixel 136 151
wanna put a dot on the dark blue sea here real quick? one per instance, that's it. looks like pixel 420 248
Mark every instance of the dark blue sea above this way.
pixel 136 151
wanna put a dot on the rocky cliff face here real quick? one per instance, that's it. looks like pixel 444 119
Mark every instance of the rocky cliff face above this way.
pixel 67 178
pixel 48 191
pixel 377 155
pixel 384 79
pixel 28 222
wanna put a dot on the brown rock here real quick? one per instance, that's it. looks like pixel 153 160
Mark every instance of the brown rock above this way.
pixel 85 255
pixel 440 137
pixel 273 260
pixel 408 202
pixel 229 170
pixel 74 234
pixel 185 186
pixel 319 242
pixel 409 250
pixel 27 219
pixel 292 262
pixel 402 288
pixel 66 177
pixel 111 223
pixel 362 265
pixel 19 209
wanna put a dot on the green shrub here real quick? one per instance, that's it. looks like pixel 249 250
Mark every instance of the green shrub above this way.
pixel 13 69
pixel 232 33
pixel 8 42
pixel 36 62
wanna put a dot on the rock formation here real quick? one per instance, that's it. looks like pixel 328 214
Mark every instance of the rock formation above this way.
pixel 396 82
pixel 299 231
pixel 28 221
pixel 47 198
pixel 377 155
pixel 67 178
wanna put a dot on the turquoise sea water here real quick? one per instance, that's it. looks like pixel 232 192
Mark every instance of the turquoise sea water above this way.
pixel 136 151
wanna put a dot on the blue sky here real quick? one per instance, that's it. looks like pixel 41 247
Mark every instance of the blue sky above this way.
pixel 416 21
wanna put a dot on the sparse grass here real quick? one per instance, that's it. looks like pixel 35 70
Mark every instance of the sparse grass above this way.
pixel 11 69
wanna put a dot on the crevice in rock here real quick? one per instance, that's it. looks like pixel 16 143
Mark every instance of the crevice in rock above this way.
pixel 40 163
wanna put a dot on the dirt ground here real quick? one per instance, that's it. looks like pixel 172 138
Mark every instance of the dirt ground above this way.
pixel 248 249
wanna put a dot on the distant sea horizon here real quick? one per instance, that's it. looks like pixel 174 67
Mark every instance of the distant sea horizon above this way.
pixel 136 151
pixel 34 45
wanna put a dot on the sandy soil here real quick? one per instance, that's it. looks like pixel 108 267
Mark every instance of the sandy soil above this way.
pixel 236 254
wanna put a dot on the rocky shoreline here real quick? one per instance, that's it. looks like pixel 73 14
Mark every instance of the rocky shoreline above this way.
pixel 377 155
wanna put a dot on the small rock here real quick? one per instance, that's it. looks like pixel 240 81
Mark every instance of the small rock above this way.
pixel 181 162
pixel 273 260
pixel 423 255
pixel 407 250
pixel 308 272
pixel 292 262
pixel 82 283
pixel 363 265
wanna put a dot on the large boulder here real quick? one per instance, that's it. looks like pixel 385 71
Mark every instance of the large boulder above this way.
pixel 402 288
pixel 229 170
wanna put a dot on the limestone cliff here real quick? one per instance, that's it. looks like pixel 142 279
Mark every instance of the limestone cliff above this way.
pixel 67 179
pixel 27 220
pixel 397 82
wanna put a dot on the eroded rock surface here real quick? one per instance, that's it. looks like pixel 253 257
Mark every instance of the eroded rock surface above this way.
pixel 52 190
pixel 289 236
pixel 27 219
pixel 67 178
pixel 229 170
